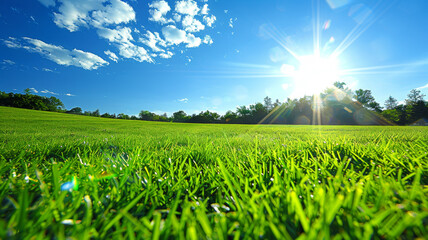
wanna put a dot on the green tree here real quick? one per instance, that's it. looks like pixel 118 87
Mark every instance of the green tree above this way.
pixel 179 116
pixel 146 115
pixel 76 110
pixel 414 96
pixel 339 85
pixel 366 99
pixel 391 103
pixel 268 103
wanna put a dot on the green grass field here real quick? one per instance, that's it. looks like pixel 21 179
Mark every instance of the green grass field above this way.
pixel 195 181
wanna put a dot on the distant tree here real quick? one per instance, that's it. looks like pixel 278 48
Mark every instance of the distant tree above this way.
pixel 375 106
pixel 268 103
pixel 229 117
pixel 243 111
pixel 277 103
pixel 146 115
pixel 180 116
pixel 391 103
pixel 414 96
pixel 122 116
pixel 76 110
pixel 108 115
pixel 366 98
pixel 339 85
pixel 31 101
pixel 96 113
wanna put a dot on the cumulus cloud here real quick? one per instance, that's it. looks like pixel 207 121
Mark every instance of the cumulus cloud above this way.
pixel 173 35
pixel 116 35
pixel 46 70
pixel 185 100
pixel 153 40
pixel 166 55
pixel 209 20
pixel 192 41
pixel 110 19
pixel 123 40
pixel 158 10
pixel 177 17
pixel 58 54
pixel 69 95
pixel 188 7
pixel 98 13
pixel 191 24
pixel 111 55
pixel 205 10
pixel 208 40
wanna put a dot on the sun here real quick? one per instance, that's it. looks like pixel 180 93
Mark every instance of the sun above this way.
pixel 312 74
pixel 315 73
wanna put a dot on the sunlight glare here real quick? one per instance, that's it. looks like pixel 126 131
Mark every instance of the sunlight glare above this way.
pixel 314 74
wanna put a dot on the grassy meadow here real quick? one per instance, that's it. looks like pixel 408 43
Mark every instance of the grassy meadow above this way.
pixel 66 176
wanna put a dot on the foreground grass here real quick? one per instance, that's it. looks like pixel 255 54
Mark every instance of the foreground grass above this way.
pixel 164 180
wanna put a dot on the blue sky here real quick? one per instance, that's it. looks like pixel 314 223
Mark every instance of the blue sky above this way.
pixel 163 56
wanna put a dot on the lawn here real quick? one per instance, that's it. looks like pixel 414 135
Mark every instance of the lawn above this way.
pixel 86 177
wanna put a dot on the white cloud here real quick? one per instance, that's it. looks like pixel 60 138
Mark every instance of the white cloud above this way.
pixel 129 50
pixel 187 7
pixel 208 40
pixel 116 35
pixel 76 13
pixel 58 54
pixel 111 18
pixel 7 61
pixel 158 10
pixel 192 41
pixel 425 86
pixel 34 90
pixel 191 24
pixel 152 40
pixel 166 55
pixel 205 10
pixel 111 55
pixel 177 17
pixel 232 21
pixel 47 70
pixel 48 3
pixel 185 100
pixel 210 20
pixel 123 40
pixel 174 35
pixel 49 92
pixel 177 36
pixel 70 95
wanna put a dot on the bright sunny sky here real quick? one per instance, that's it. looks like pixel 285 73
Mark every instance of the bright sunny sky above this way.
pixel 163 56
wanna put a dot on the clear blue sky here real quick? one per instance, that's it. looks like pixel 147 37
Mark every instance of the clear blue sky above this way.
pixel 164 56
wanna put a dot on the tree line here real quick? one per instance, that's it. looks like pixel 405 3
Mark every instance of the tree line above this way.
pixel 337 105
